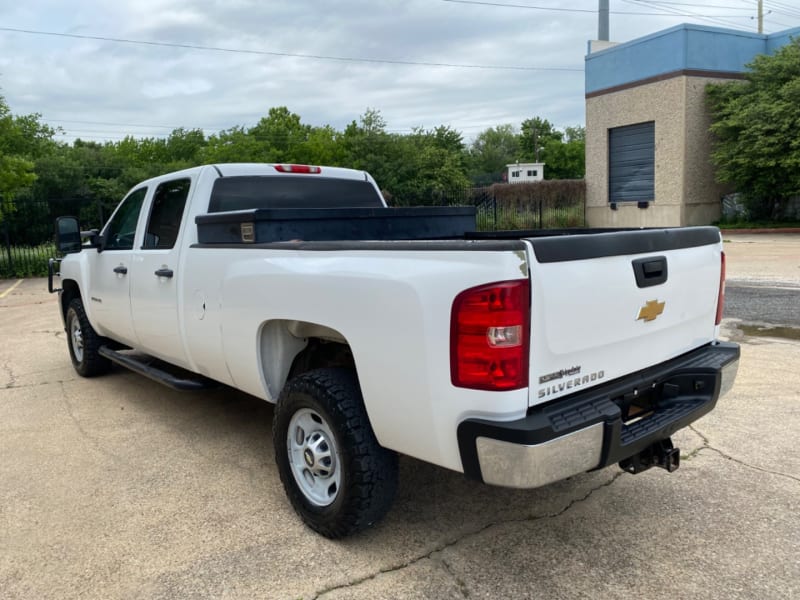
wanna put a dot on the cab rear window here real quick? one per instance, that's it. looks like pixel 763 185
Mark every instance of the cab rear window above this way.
pixel 291 191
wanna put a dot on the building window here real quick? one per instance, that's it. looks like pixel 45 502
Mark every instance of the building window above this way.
pixel 515 173
pixel 631 163
pixel 532 172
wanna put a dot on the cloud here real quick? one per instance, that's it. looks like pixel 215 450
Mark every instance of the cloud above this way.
pixel 69 80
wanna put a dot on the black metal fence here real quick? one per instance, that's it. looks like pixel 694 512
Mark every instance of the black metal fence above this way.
pixel 26 232
pixel 544 205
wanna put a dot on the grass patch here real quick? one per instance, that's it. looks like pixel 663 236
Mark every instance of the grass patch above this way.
pixel 550 218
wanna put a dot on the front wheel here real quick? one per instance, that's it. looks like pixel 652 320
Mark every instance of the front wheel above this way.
pixel 84 342
pixel 336 475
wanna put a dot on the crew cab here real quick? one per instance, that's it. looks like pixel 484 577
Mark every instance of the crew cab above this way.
pixel 518 358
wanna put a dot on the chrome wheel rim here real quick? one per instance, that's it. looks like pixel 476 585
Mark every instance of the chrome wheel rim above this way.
pixel 76 335
pixel 313 457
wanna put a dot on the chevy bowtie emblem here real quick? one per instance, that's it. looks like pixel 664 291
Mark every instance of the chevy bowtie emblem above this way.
pixel 651 310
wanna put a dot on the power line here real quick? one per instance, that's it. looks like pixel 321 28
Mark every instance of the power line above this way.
pixel 577 10
pixel 673 12
pixel 699 5
pixel 285 54
pixel 112 124
pixel 779 8
pixel 792 10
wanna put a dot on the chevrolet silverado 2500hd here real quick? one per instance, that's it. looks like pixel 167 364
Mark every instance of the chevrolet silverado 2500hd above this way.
pixel 517 358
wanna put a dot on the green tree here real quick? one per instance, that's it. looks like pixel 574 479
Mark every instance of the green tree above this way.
pixel 185 146
pixel 429 167
pixel 234 145
pixel 23 139
pixel 323 146
pixel 537 133
pixel 755 123
pixel 575 134
pixel 367 145
pixel 564 160
pixel 281 134
pixel 491 151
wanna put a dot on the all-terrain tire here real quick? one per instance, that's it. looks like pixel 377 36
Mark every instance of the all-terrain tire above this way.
pixel 336 475
pixel 84 342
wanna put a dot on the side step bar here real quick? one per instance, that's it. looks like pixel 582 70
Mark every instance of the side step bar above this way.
pixel 156 374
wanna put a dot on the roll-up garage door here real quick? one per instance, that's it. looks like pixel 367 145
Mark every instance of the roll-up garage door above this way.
pixel 631 163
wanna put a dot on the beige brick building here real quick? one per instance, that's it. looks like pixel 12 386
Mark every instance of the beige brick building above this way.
pixel 647 140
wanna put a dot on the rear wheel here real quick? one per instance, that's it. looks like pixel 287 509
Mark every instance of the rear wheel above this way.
pixel 84 342
pixel 336 475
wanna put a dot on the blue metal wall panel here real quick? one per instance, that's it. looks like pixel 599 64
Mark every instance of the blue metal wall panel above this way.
pixel 683 47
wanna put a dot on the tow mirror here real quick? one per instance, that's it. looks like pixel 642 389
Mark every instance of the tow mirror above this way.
pixel 68 235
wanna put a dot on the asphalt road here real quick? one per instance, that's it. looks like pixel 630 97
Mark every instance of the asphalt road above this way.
pixel 774 303
pixel 118 488
pixel 763 284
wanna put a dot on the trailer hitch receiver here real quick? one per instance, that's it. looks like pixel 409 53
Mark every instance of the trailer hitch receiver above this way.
pixel 660 454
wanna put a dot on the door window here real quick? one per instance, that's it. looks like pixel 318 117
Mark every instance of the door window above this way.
pixel 166 213
pixel 121 229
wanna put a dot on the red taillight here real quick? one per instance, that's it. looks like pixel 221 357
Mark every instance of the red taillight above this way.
pixel 297 169
pixel 489 336
pixel 721 295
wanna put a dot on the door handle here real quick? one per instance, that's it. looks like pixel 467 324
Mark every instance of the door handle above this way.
pixel 164 273
pixel 650 271
pixel 121 270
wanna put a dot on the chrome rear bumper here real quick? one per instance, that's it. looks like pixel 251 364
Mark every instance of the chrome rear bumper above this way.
pixel 593 428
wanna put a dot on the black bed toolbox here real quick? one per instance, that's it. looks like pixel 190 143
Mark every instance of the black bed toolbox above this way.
pixel 264 225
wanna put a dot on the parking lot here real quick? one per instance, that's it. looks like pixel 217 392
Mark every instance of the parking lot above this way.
pixel 117 487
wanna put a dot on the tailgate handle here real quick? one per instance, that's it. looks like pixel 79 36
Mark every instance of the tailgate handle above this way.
pixel 650 271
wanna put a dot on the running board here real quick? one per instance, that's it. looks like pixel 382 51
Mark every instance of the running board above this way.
pixel 156 374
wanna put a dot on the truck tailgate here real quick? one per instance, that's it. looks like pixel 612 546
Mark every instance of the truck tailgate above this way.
pixel 608 304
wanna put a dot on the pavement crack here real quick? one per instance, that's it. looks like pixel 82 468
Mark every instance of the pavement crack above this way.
pixel 462 585
pixel 433 554
pixel 84 434
pixel 748 465
pixel 23 386
pixel 12 379
pixel 707 446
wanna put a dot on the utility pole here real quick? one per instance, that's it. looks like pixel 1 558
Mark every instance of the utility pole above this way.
pixel 760 16
pixel 602 22
pixel 535 146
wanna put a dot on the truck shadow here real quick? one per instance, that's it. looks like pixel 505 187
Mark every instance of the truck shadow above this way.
pixel 233 430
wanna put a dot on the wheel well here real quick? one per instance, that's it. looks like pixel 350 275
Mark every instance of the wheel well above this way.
pixel 290 348
pixel 69 291
pixel 320 353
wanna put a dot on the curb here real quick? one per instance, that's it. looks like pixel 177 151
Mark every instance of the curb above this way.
pixel 776 230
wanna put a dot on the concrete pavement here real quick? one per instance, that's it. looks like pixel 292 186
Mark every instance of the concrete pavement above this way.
pixel 116 487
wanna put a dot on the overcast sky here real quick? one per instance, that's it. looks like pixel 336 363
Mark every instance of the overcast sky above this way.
pixel 98 89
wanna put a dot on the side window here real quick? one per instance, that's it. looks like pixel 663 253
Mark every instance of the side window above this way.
pixel 166 214
pixel 121 229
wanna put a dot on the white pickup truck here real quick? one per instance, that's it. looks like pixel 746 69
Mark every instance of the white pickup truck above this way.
pixel 517 358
